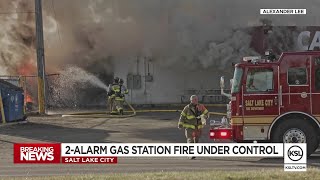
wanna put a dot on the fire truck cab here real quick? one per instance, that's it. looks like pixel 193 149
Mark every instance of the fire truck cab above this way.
pixel 274 101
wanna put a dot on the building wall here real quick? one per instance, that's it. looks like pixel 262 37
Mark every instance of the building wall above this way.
pixel 168 85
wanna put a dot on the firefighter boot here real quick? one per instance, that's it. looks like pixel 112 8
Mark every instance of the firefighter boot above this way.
pixel 190 139
pixel 120 111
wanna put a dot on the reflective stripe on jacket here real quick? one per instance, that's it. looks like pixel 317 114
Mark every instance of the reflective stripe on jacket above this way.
pixel 119 98
pixel 115 88
pixel 189 117
pixel 120 94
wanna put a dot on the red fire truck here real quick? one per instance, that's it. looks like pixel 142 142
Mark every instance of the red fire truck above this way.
pixel 274 101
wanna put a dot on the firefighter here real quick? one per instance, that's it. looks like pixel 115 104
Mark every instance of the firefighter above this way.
pixel 120 97
pixel 112 89
pixel 193 118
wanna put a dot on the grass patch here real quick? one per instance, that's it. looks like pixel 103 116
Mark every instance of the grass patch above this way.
pixel 312 173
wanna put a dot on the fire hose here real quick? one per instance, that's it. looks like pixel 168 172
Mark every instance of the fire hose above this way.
pixel 102 114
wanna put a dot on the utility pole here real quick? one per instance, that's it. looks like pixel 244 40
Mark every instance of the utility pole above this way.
pixel 40 57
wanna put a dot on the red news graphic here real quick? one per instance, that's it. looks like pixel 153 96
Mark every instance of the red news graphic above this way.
pixel 37 153
pixel 89 160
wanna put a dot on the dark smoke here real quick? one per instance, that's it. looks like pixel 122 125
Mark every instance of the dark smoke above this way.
pixel 191 34
pixel 180 34
pixel 284 38
pixel 80 31
pixel 17 37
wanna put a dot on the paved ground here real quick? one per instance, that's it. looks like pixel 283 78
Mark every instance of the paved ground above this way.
pixel 144 128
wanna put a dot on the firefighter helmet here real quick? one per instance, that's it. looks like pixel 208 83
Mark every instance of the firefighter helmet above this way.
pixel 121 81
pixel 116 80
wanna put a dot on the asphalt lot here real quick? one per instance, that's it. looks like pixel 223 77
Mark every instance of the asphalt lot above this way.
pixel 143 128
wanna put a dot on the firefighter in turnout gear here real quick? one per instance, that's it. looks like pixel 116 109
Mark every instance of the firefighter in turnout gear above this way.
pixel 120 97
pixel 112 90
pixel 193 119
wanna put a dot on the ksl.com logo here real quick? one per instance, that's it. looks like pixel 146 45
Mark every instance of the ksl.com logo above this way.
pixel 295 157
pixel 37 153
pixel 295 153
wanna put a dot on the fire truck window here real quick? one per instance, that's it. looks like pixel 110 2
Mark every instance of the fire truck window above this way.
pixel 317 79
pixel 236 80
pixel 259 80
pixel 317 61
pixel 297 76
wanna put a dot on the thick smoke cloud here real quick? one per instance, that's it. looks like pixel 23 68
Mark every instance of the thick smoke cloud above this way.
pixel 200 34
pixel 17 39
pixel 184 34
pixel 180 34
pixel 282 38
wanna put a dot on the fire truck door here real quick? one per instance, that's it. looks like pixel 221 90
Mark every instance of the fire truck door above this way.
pixel 260 101
pixel 296 91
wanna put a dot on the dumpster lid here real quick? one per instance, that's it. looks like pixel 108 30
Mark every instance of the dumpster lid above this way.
pixel 7 85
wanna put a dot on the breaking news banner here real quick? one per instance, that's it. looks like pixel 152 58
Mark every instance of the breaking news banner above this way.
pixel 283 11
pixel 51 153
pixel 36 153
pixel 70 150
pixel 295 158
